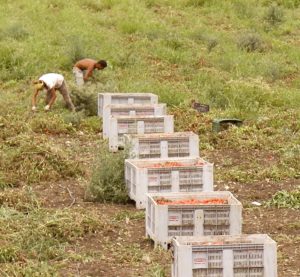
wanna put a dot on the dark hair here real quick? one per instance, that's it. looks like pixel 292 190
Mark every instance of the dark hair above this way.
pixel 103 63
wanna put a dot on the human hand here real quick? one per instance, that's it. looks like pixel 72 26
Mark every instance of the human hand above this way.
pixel 47 108
pixel 33 108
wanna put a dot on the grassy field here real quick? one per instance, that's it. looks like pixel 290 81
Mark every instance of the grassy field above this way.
pixel 240 57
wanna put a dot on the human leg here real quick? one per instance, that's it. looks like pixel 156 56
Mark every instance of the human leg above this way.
pixel 78 74
pixel 52 92
pixel 48 97
pixel 65 94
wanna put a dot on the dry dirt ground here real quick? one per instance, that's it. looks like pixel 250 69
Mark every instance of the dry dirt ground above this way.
pixel 122 250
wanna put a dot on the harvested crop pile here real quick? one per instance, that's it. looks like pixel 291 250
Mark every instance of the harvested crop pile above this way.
pixel 175 164
pixel 208 201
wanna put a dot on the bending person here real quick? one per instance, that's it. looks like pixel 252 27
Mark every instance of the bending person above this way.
pixel 52 82
pixel 83 69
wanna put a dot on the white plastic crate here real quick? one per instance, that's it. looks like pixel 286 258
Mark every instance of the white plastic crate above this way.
pixel 130 110
pixel 164 221
pixel 224 256
pixel 176 145
pixel 166 175
pixel 120 125
pixel 124 98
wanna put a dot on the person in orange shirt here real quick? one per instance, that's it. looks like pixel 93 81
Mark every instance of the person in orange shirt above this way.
pixel 83 69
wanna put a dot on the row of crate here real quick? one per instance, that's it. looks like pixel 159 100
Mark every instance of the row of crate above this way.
pixel 164 169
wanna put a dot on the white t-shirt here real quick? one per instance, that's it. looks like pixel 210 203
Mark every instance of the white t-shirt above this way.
pixel 52 80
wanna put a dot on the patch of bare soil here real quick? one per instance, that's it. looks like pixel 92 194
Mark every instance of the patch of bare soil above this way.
pixel 122 249
pixel 282 225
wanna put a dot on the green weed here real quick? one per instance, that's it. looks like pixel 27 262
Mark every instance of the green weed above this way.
pixel 240 57
pixel 129 215
pixel 85 100
pixel 107 182
pixel 92 124
pixel 274 15
pixel 157 271
pixel 285 199
pixel 250 42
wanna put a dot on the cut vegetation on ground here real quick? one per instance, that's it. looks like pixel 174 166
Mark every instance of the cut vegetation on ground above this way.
pixel 240 57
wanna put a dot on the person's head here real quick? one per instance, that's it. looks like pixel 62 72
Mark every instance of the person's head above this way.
pixel 101 64
pixel 38 85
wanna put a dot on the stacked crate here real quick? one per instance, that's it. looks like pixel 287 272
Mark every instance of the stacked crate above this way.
pixel 224 256
pixel 167 217
pixel 166 175
pixel 129 110
pixel 121 125
pixel 144 176
pixel 105 99
pixel 163 145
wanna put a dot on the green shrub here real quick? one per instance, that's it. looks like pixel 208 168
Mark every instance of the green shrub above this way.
pixel 85 99
pixel 273 71
pixel 250 42
pixel 274 15
pixel 107 182
pixel 74 119
pixel 212 42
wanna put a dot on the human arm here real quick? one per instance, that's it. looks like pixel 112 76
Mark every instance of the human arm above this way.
pixel 89 73
pixel 36 92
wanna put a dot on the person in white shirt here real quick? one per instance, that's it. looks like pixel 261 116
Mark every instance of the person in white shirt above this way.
pixel 52 82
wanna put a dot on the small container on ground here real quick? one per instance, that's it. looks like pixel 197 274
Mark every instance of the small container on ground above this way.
pixel 166 175
pixel 192 214
pixel 163 145
pixel 224 256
